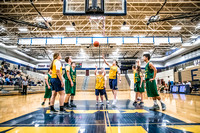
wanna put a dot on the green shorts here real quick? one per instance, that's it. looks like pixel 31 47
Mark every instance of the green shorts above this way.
pixel 73 90
pixel 47 93
pixel 137 87
pixel 68 87
pixel 151 88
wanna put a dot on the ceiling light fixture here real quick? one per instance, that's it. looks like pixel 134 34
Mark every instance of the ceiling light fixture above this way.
pixel 147 18
pixel 23 29
pixel 6 38
pixel 176 28
pixel 198 26
pixel 2 28
pixel 125 28
pixel 186 44
pixel 173 48
pixel 70 29
pixel 194 36
pixel 41 19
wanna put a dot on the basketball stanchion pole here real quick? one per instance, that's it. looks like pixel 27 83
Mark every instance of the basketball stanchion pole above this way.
pixel 93 55
pixel 99 55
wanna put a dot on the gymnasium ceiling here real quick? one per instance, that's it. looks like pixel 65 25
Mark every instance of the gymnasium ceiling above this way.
pixel 138 13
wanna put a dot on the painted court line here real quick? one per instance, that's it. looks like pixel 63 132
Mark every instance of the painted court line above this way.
pixel 108 122
pixel 109 111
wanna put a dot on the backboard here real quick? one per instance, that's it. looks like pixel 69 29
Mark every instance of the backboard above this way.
pixel 95 7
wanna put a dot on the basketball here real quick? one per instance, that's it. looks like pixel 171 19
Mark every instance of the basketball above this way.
pixel 96 44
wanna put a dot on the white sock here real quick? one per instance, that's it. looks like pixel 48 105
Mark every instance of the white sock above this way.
pixel 155 102
pixel 115 100
pixel 161 101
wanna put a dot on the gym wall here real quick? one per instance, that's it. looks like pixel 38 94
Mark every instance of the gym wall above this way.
pixel 189 74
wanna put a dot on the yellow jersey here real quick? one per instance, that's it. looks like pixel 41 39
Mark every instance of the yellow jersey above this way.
pixel 134 76
pixel 54 74
pixel 113 72
pixel 100 82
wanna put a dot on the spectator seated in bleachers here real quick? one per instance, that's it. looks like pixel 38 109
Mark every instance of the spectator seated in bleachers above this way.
pixel 8 80
pixel 14 77
pixel 162 88
pixel 1 78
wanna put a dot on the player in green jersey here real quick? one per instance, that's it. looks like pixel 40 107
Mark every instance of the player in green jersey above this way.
pixel 47 87
pixel 151 87
pixel 73 92
pixel 68 81
pixel 139 85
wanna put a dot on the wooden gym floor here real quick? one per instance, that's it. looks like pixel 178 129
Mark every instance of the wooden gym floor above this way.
pixel 24 114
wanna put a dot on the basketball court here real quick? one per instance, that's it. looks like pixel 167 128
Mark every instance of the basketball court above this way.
pixel 102 38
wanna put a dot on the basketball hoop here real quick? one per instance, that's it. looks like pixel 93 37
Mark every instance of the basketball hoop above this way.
pixel 97 23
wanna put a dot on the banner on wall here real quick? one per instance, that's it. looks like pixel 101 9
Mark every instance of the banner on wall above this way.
pixel 191 74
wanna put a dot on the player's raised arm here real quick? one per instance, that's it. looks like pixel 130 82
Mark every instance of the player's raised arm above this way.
pixel 105 61
pixel 95 72
pixel 141 77
pixel 104 72
pixel 154 68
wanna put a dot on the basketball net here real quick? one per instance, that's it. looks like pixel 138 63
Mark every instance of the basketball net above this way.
pixel 98 24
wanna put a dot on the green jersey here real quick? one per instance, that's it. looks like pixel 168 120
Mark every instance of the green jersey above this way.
pixel 48 77
pixel 68 68
pixel 137 77
pixel 74 75
pixel 149 73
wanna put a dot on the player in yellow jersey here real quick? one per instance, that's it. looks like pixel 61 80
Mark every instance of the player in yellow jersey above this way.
pixel 104 73
pixel 100 85
pixel 57 83
pixel 114 71
pixel 134 71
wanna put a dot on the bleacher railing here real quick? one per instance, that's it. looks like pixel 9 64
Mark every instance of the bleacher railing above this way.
pixel 9 89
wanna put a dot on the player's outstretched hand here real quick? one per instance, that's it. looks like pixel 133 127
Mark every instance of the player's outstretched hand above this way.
pixel 103 56
pixel 72 84
pixel 151 80
pixel 62 84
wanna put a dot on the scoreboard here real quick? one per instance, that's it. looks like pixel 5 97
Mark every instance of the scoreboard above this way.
pixel 125 65
pixel 185 89
pixel 78 65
